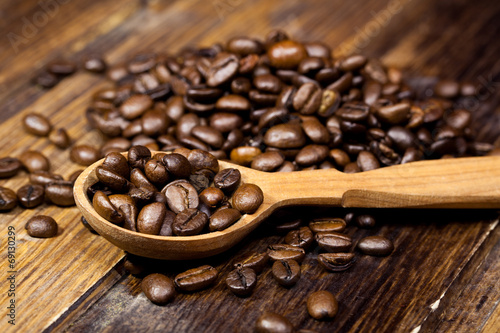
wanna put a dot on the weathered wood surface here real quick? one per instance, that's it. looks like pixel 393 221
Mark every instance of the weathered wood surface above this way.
pixel 443 275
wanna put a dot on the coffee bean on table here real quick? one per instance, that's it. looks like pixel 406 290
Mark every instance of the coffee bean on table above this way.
pixel 287 226
pixel 60 193
pixel 30 196
pixel 41 226
pixel 60 138
pixel 336 262
pixel 270 322
pixel 61 67
pixel 241 281
pixel 134 266
pixel 46 80
pixel 333 241
pixel 302 237
pixel 196 279
pixel 254 260
pixel 9 167
pixel 285 252
pixel 94 63
pixel 322 305
pixel 36 124
pixel 365 221
pixel 286 272
pixel 189 222
pixel 34 161
pixel 327 225
pixel 8 199
pixel 84 154
pixel 376 246
pixel 247 198
pixel 158 288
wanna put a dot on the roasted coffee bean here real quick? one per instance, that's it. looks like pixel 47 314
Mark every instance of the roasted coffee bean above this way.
pixel 285 252
pixel 253 260
pixel 30 196
pixel 150 218
pixel 87 225
pixel 200 159
pixel 138 156
pixel 208 135
pixel 156 172
pixel 135 106
pixel 447 89
pixel 37 124
pixel 376 246
pixel 166 227
pixel 117 163
pixel 41 226
pixel 394 114
pixel 34 161
pixel 9 167
pixel 177 165
pixel 302 237
pixel 8 199
pixel 268 161
pixel 133 265
pixel 60 138
pixel 287 226
pixel 327 225
pixel 94 63
pixel 286 54
pixel 129 213
pixel 286 272
pixel 227 180
pixel 285 136
pixel 353 111
pixel 225 121
pixel 223 219
pixel 60 193
pixel 158 288
pixel 233 103
pixel 367 161
pixel 333 241
pixel 84 154
pixel 46 80
pixel 336 262
pixel 311 155
pixel 244 155
pixel 247 198
pixel 106 209
pixel 270 322
pixel 241 281
pixel 61 67
pixel 196 279
pixel 307 99
pixel 352 63
pixel 211 196
pixel 222 70
pixel 322 305
pixel 352 168
pixel 189 222
pixel 181 195
pixel 365 221
pixel 316 131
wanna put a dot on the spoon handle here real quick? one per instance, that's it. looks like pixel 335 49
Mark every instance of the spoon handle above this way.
pixel 472 182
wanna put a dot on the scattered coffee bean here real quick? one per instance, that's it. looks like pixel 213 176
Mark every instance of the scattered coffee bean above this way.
pixel 253 260
pixel 41 226
pixel 87 225
pixel 270 322
pixel 8 199
pixel 376 246
pixel 84 154
pixel 60 193
pixel 196 279
pixel 365 221
pixel 333 241
pixel 34 161
pixel 302 237
pixel 286 272
pixel 9 167
pixel 241 281
pixel 322 305
pixel 336 262
pixel 286 252
pixel 60 138
pixel 158 288
pixel 94 63
pixel 31 196
pixel 327 225
pixel 37 124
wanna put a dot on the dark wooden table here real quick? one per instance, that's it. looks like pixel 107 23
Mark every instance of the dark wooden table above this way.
pixel 443 275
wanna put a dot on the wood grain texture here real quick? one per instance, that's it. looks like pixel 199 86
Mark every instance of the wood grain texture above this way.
pixel 440 255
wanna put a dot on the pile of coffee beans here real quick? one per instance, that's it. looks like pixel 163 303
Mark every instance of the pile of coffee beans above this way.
pixel 182 193
pixel 281 105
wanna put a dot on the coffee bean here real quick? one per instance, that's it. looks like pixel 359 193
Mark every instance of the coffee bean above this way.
pixel 46 80
pixel 241 281
pixel 9 167
pixel 30 196
pixel 61 67
pixel 327 225
pixel 333 241
pixel 223 219
pixel 60 193
pixel 270 322
pixel 177 165
pixel 128 211
pixel 60 138
pixel 106 209
pixel 166 227
pixel 200 159
pixel 302 237
pixel 151 218
pixel 322 305
pixel 286 54
pixel 138 156
pixel 285 252
pixel 8 199
pixel 253 260
pixel 268 161
pixel 233 103
pixel 34 161
pixel 352 63
pixel 287 226
pixel 158 288
pixel 367 161
pixel 394 114
pixel 156 172
pixel 285 136
pixel 211 196
pixel 227 180
pixel 365 221
pixel 336 262
pixel 376 246
pixel 222 70
pixel 84 154
pixel 247 198
pixel 286 272
pixel 135 106
pixel 189 222
pixel 244 155
pixel 41 226
pixel 447 89
pixel 311 155
pixel 94 63
pixel 37 124
pixel 208 135
pixel 196 279
pixel 307 99
pixel 181 195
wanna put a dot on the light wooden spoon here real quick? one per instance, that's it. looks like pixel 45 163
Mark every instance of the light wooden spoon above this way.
pixel 472 182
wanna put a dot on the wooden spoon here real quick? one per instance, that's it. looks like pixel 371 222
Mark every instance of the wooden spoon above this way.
pixel 472 182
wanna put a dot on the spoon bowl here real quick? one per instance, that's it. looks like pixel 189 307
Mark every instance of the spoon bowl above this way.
pixel 472 182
